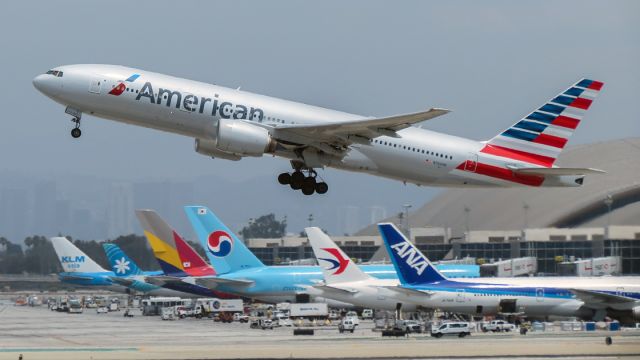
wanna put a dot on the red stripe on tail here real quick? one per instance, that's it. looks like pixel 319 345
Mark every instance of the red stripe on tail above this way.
pixel 505 174
pixel 550 140
pixel 518 155
pixel 566 121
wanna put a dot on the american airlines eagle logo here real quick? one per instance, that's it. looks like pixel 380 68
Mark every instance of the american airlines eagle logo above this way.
pixel 339 263
pixel 121 87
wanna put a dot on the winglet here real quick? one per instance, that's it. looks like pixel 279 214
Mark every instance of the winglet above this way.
pixel 410 264
pixel 336 266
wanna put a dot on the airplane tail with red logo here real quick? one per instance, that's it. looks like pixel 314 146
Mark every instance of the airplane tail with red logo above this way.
pixel 225 251
pixel 336 266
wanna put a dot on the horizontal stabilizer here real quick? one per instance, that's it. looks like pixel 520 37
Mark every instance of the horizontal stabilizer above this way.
pixel 122 281
pixel 163 280
pixel 408 291
pixel 556 171
pixel 214 282
pixel 592 298
pixel 78 277
pixel 335 290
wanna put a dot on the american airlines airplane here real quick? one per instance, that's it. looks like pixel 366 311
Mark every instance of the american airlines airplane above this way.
pixel 232 124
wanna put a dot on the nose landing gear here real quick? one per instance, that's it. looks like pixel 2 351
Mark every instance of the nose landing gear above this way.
pixel 76 132
pixel 307 184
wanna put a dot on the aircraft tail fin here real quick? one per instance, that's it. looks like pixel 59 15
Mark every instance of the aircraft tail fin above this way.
pixel 121 264
pixel 175 256
pixel 73 259
pixel 336 266
pixel 540 137
pixel 224 249
pixel 410 264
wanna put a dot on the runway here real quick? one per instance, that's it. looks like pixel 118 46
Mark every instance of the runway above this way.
pixel 38 333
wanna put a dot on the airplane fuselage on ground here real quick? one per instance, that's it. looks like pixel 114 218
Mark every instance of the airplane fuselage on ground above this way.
pixel 230 124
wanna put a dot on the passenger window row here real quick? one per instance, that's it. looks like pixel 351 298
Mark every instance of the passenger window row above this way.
pixel 414 149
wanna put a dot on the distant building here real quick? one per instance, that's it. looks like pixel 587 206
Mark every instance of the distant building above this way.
pixel 120 211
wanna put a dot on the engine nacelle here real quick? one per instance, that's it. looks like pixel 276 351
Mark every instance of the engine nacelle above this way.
pixel 243 139
pixel 209 148
pixel 636 313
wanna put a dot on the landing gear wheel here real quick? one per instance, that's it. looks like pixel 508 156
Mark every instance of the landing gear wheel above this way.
pixel 75 133
pixel 297 178
pixel 309 185
pixel 322 188
pixel 284 179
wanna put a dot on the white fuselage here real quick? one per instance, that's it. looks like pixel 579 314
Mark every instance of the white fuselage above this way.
pixel 194 109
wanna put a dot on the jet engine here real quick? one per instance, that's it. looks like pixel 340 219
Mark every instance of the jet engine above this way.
pixel 209 148
pixel 243 139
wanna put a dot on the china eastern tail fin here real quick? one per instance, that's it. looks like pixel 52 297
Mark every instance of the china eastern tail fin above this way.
pixel 540 137
pixel 336 266
pixel 175 256
pixel 224 249
pixel 410 264
pixel 121 264
pixel 73 259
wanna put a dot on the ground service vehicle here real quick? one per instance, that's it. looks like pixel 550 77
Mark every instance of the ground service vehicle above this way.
pixel 460 329
pixel 367 314
pixel 347 324
pixel 409 326
pixel 498 326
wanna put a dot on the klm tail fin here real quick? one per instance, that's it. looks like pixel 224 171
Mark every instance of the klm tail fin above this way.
pixel 121 264
pixel 224 249
pixel 175 256
pixel 410 264
pixel 73 259
pixel 540 137
pixel 336 266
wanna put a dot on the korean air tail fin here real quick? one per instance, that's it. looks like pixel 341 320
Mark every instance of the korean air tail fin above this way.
pixel 175 256
pixel 224 249
pixel 540 137
pixel 336 266
pixel 73 259
pixel 410 264
pixel 121 264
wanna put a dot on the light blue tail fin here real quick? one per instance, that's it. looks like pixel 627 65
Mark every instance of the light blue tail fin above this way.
pixel 224 249
pixel 120 263
pixel 410 264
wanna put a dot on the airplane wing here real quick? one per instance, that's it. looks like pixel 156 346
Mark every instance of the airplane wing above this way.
pixel 78 277
pixel 214 282
pixel 556 171
pixel 598 299
pixel 333 289
pixel 408 291
pixel 343 133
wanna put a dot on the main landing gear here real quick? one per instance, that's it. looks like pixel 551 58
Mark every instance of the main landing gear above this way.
pixel 307 184
pixel 76 132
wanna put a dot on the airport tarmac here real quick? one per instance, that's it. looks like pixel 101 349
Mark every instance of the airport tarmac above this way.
pixel 39 333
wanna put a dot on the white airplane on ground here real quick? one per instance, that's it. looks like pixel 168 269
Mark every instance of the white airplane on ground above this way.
pixel 231 124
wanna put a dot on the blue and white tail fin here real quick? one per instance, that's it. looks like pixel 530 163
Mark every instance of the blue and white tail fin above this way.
pixel 410 264
pixel 336 266
pixel 73 259
pixel 120 263
pixel 224 249
pixel 540 137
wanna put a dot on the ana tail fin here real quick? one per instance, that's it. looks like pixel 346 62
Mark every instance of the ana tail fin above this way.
pixel 224 249
pixel 336 266
pixel 73 259
pixel 540 137
pixel 410 264
pixel 121 264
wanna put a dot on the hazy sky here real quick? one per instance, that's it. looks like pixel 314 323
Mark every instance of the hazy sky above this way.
pixel 489 61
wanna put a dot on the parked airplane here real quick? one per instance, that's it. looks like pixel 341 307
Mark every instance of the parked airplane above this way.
pixel 231 124
pixel 617 297
pixel 348 283
pixel 127 273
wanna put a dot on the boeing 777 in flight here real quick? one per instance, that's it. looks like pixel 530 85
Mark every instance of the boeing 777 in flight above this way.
pixel 232 124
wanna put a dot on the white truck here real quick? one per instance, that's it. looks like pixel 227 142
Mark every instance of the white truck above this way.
pixel 498 326
pixel 309 310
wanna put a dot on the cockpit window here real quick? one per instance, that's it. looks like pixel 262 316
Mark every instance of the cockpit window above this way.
pixel 56 73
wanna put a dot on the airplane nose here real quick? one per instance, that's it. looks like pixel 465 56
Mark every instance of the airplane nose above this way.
pixel 47 84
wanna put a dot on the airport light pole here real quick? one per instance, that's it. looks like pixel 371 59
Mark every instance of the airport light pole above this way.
pixel 310 219
pixel 608 201
pixel 525 208
pixel 467 212
pixel 406 208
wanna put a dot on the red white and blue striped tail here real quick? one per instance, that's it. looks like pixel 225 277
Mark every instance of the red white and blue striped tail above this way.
pixel 540 137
